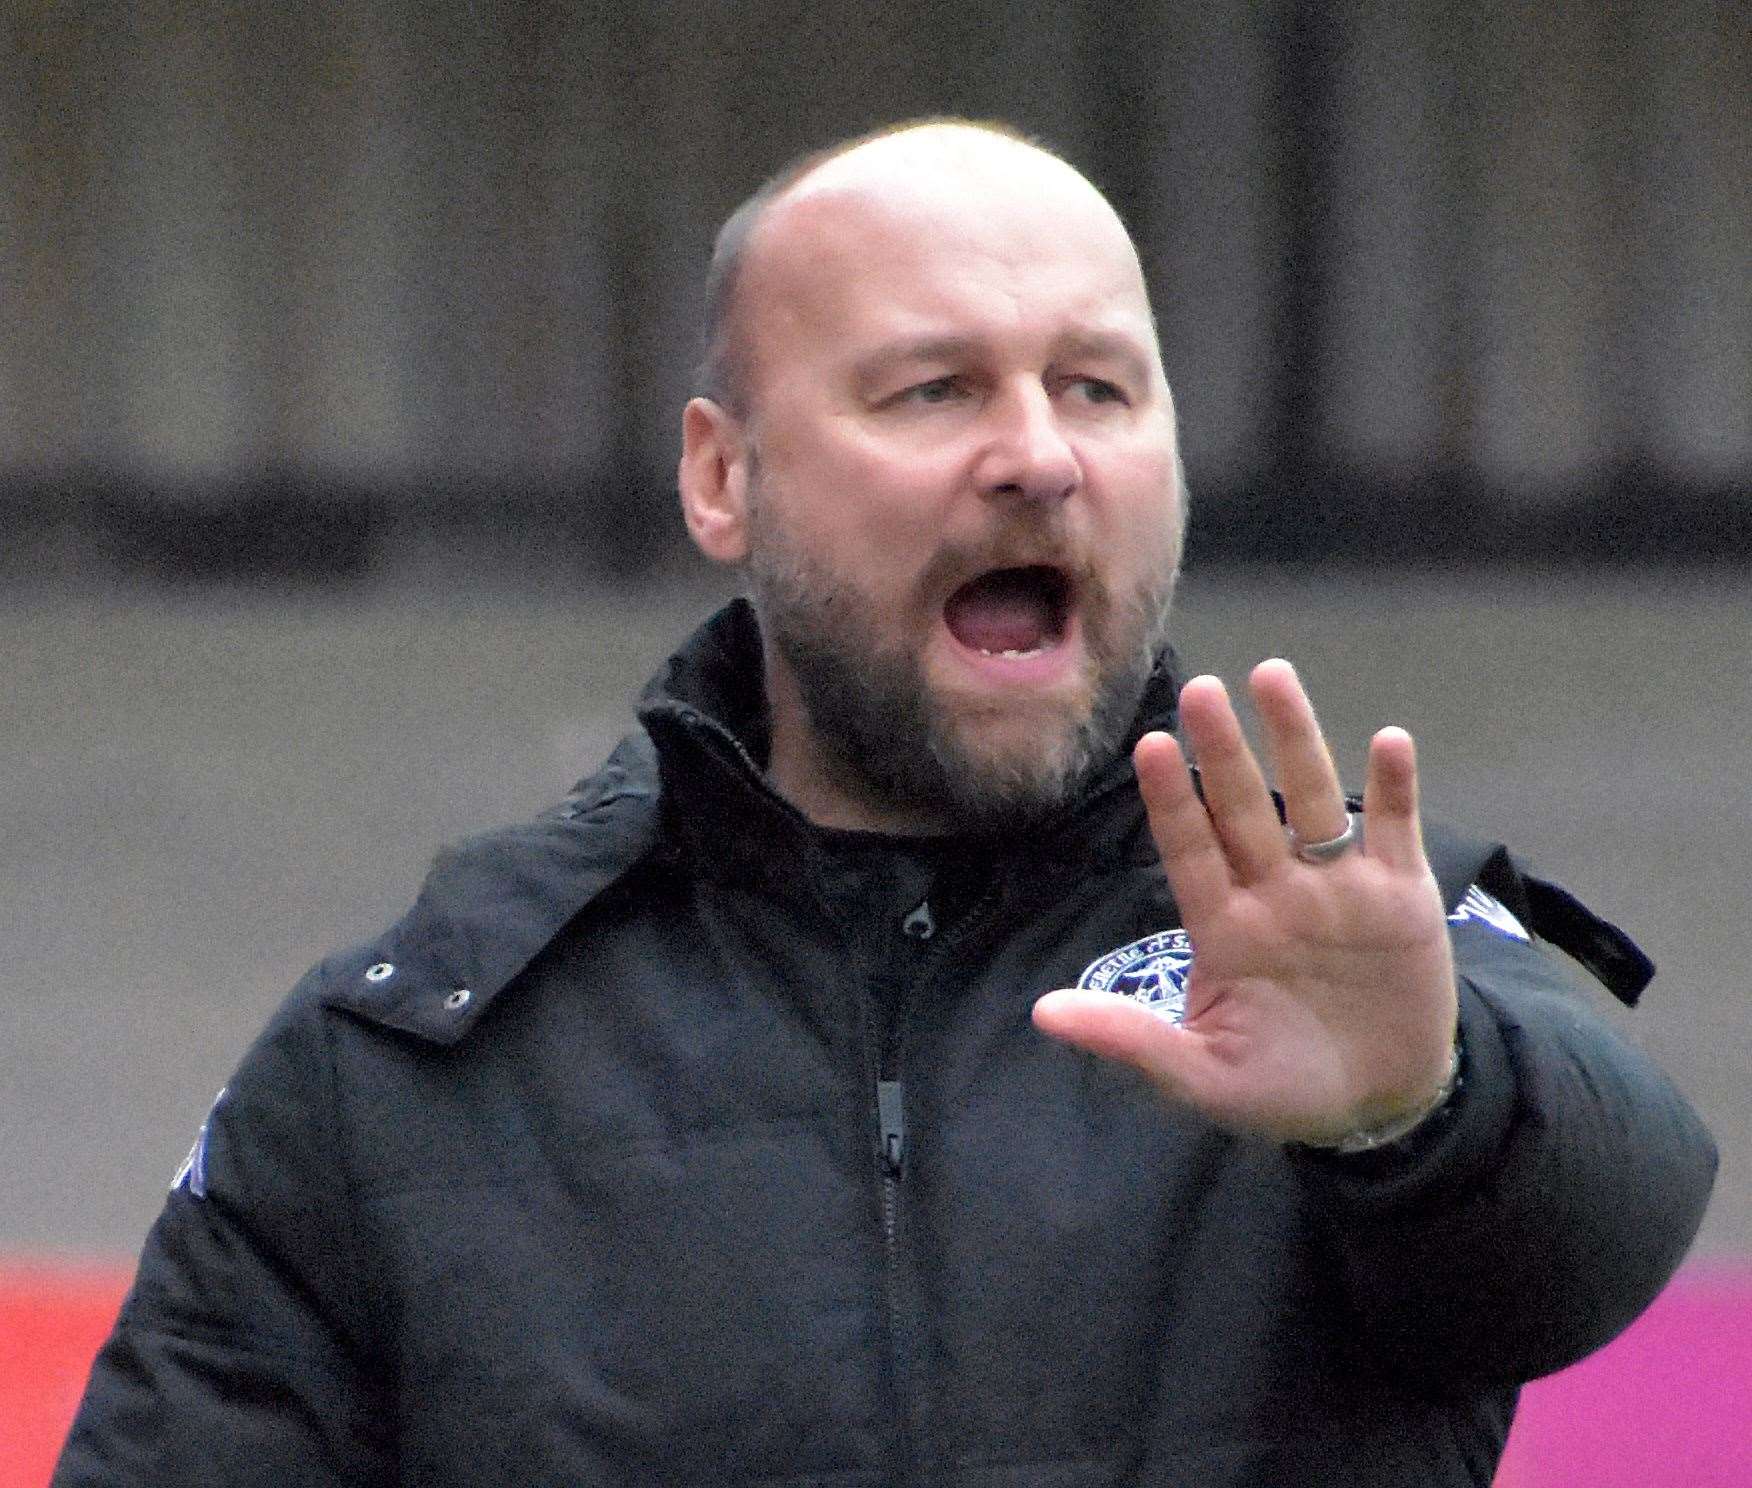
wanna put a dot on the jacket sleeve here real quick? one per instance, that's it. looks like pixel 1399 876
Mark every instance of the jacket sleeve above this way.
pixel 1540 1213
pixel 240 1356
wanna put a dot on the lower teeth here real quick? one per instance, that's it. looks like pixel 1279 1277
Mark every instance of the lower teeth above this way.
pixel 1014 655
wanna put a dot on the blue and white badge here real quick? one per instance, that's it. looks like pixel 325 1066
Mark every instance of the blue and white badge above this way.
pixel 1151 971
pixel 192 1175
pixel 1486 910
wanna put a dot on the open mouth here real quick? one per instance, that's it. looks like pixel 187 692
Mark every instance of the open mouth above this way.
pixel 1011 612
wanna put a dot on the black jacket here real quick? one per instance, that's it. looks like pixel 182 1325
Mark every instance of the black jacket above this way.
pixel 668 1139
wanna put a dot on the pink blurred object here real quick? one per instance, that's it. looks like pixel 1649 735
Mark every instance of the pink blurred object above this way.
pixel 1667 1405
pixel 53 1317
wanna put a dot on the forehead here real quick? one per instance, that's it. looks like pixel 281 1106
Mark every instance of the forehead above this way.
pixel 987 240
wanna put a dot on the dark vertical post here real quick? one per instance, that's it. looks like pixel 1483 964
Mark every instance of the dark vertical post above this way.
pixel 1300 512
pixel 1118 102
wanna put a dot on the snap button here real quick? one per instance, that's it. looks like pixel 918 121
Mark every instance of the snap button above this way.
pixel 381 972
pixel 457 999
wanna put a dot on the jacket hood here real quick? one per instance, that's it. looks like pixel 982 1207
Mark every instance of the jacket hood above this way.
pixel 690 774
pixel 492 902
pixel 720 674
pixel 706 710
pixel 690 781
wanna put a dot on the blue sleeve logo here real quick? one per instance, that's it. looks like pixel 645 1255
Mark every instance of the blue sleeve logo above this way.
pixel 192 1175
pixel 1480 906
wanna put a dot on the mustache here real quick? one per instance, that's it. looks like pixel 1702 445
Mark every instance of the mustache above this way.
pixel 956 564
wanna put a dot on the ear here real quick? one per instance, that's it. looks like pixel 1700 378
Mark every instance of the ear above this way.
pixel 714 480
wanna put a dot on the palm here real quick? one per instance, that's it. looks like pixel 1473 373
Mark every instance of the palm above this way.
pixel 1321 997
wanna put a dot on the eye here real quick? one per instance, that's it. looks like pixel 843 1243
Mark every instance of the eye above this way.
pixel 938 390
pixel 1098 390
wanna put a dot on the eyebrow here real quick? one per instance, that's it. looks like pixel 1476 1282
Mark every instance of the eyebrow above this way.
pixel 871 369
pixel 1106 346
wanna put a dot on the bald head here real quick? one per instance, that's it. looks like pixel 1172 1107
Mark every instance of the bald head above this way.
pixel 947 171
pixel 937 364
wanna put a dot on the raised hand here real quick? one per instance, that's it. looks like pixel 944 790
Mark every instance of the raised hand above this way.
pixel 1321 999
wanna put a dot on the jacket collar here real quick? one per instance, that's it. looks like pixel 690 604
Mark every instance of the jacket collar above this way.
pixel 691 782
pixel 706 713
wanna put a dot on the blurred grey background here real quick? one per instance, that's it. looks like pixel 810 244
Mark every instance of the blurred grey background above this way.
pixel 341 352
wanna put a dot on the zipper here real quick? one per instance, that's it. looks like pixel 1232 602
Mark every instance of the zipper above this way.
pixel 920 927
pixel 884 1024
pixel 724 739
pixel 892 1122
pixel 891 1116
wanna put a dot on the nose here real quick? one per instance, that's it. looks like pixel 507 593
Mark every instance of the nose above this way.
pixel 1027 454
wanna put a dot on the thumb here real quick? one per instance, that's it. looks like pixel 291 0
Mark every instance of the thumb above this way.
pixel 1114 1028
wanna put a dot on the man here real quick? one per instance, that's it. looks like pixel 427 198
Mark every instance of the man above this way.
pixel 713 1129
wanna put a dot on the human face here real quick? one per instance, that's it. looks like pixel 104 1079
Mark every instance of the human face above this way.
pixel 964 510
pixel 889 741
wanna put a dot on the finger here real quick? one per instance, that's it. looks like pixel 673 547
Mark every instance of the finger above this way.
pixel 1390 802
pixel 1192 857
pixel 1116 1028
pixel 1313 798
pixel 1235 793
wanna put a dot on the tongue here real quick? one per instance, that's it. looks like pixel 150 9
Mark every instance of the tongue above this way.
pixel 1002 611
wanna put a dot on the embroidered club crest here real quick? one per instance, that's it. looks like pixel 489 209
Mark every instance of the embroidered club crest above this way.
pixel 1152 971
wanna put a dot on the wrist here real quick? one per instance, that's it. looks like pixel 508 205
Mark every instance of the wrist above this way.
pixel 1384 1134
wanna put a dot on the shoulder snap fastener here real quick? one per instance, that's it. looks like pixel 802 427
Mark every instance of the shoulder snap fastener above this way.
pixel 457 999
pixel 381 972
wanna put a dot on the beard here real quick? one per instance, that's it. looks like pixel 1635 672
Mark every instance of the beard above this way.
pixel 892 740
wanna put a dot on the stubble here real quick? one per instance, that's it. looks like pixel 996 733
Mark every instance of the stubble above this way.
pixel 888 738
